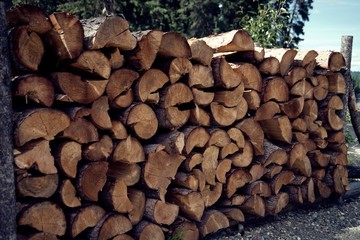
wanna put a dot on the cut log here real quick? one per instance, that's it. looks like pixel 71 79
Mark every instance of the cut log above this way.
pixel 161 212
pixel 299 124
pixel 252 77
pixel 109 31
pixel 211 194
pixel 295 74
pixel 237 137
pixel 173 141
pixel 293 108
pixel 91 179
pixel 318 159
pixel 228 149
pixel 322 189
pixel 114 196
pixel 128 173
pixel 129 150
pixel 224 75
pixel 201 52
pixel 199 116
pixel 81 131
pixel 213 221
pixel 302 89
pixel 243 158
pixel 77 89
pixel 235 40
pixel 337 83
pixel 159 169
pixel 222 169
pixel 234 215
pixel 267 111
pixel 67 194
pixel 192 161
pixel 200 77
pixel 298 160
pixel 148 231
pixel 202 97
pixel 210 163
pixel 176 68
pixel 269 66
pixel 272 154
pixel 340 178
pixel 190 203
pixel 278 128
pixel 276 203
pixel 308 190
pixel 118 130
pixel 185 230
pixel 65 39
pixel 330 60
pixel 99 113
pixel 109 226
pixel 253 99
pixel 186 180
pixel 116 59
pixel 221 115
pixel 235 201
pixel 237 179
pixel 38 123
pixel 257 171
pixel 260 188
pixel 84 217
pixel 195 137
pixel 144 54
pixel 254 205
pixel 275 89
pixel 148 85
pixel 285 57
pixel 37 186
pixel 76 112
pixel 36 155
pixel 242 109
pixel 305 57
pixel 99 151
pixel 200 176
pixel 67 155
pixel 93 63
pixel 254 132
pixel 283 178
pixel 322 89
pixel 319 174
pixel 43 216
pixel 273 170
pixel 137 199
pixel 175 45
pixel 119 87
pixel 229 98
pixel 33 17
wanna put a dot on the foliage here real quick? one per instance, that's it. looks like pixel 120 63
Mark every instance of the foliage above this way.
pixel 356 80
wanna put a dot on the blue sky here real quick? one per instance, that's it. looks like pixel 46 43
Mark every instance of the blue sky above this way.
pixel 329 20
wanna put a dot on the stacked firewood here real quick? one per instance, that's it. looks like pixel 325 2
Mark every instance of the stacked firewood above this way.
pixel 121 135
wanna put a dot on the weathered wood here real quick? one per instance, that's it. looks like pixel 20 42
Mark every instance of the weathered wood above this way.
pixel 254 132
pixel 200 51
pixel 37 186
pixel 137 199
pixel 213 221
pixel 147 231
pixel 115 197
pixel 224 75
pixel 330 60
pixel 129 150
pixel 278 128
pixel 161 212
pixel 81 131
pixel 129 173
pixel 67 194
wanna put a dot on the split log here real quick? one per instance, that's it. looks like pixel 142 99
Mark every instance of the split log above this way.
pixel 210 163
pixel 254 205
pixel 199 116
pixel 293 108
pixel 211 194
pixel 237 137
pixel 273 170
pixel 222 169
pixel 298 161
pixel 202 97
pixel 67 155
pixel 129 150
pixel 175 45
pixel 337 83
pixel 161 212
pixel 128 173
pixel 176 68
pixel 116 59
pixel 243 158
pixel 285 56
pixel 99 151
pixel 278 128
pixel 234 215
pixel 200 77
pixel 137 199
pixel 275 89
pixel 173 141
pixel 185 230
pixel 228 149
pixel 308 190
pixel 269 66
pixel 192 161
pixel 323 190
pixel 221 115
pixel 303 58
pixel 257 171
pixel 283 178
pixel 235 201
pixel 267 111
pixel 333 61
pixel 213 221
pixel 224 75
pixel 118 130
pixel 322 89
pixel 272 154
pixel 81 131
pixel 295 74
pixel 201 52
pixel 275 204
pixel 229 98
pixel 237 179
pixel 195 137
pixel 253 99
pixel 254 132
pixel 242 109
pixel 252 77
pixel 260 188
pixel 99 113
pixel 200 176
pixel 218 137
pixel 148 231
pixel 67 194
pixel 37 186
pixel 114 196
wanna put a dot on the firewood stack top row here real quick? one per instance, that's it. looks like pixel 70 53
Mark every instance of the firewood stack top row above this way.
pixel 149 135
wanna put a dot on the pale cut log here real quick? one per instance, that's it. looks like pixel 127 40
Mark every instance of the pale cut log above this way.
pixel 228 149
pixel 237 179
pixel 285 56
pixel 99 113
pixel 137 199
pixel 202 97
pixel 272 154
pixel 147 47
pixel 254 205
pixel 161 212
pixel 234 215
pixel 200 76
pixel 235 40
pixel 33 17
pixel 195 137
pixel 254 132
pixel 260 188
pixel 267 111
pixel 337 83
pixel 322 89
pixel 159 169
pixel 65 39
pixel 242 109
pixel 305 57
pixel 275 88
pixel 174 110
pixel 129 150
pixel 175 45
pixel 278 128
pixel 186 180
pixel 224 166
pixel 192 160
pixel 37 186
pixel 237 137
pixel 275 204
pixel 218 137
pixel 148 85
pixel 119 87
pixel 210 163
pixel 283 178
pixel 107 31
pixel 200 51
pixel 176 68
pixel 173 141
pixel 93 63
pixel 99 151
pixel 67 194
pixel 224 75
pixel 299 124
pixel 67 154
pixel 273 170
pixel 148 231
pixel 38 123
pixel 213 221
pixel 115 197
pixel 211 194
pixel 293 108
pixel 185 230
pixel 33 88
pixel 303 89
pixel 91 179
pixel 243 158
pixel 200 176
pixel 257 171
pixel 221 115
pixel 115 57
pixel 253 99
pixel 269 66
pixel 298 161
pixel 190 203
pixel 141 119
pixel 330 60
pixel 128 173
pixel 295 75
pixel 36 155
pixel 79 90
pixel 43 216
pixel 252 77
pixel 109 226
pixel 81 131
pixel 84 217
pixel 230 98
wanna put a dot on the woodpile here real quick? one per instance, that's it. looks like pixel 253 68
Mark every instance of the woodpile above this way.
pixel 146 135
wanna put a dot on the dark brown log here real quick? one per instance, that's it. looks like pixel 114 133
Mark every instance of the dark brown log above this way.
pixel 260 188
pixel 252 77
pixel 173 44
pixel 278 128
pixel 201 52
pixel 253 99
pixel 275 204
pixel 81 131
pixel 116 59
pixel 41 186
pixel 267 111
pixel 137 199
pixel 148 231
pixel 283 178
pixel 293 108
pixel 43 216
pixel 67 194
pixel 144 54
pixel 210 163
pixel 195 137
pixel 38 123
pixel 129 150
pixel 254 132
pixel 128 173
pixel 275 89
pixel 67 155
pixel 237 179
pixel 254 205
pixel 65 39
pixel 270 66
pixel 213 221
pixel 161 212
pixel 224 75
